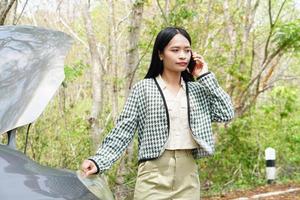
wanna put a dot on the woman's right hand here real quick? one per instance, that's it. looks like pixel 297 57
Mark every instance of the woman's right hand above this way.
pixel 88 167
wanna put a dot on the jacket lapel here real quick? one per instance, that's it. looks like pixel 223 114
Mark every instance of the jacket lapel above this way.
pixel 165 103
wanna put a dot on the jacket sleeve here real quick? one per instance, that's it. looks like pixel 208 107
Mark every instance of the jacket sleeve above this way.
pixel 120 136
pixel 221 108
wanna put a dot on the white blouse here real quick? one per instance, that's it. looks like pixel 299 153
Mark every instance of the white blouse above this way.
pixel 180 134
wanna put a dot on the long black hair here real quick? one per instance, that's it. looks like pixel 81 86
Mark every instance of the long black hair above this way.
pixel 162 40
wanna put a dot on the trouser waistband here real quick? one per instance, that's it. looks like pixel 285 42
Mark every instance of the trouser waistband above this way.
pixel 176 153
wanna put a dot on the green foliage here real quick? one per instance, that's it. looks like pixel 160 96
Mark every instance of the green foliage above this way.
pixel 239 160
pixel 181 14
pixel 234 71
pixel 287 35
pixel 139 2
pixel 57 139
pixel 284 99
pixel 72 72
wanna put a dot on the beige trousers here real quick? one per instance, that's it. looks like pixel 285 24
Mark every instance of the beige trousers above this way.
pixel 174 175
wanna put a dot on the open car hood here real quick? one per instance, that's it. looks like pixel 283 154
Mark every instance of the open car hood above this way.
pixel 31 71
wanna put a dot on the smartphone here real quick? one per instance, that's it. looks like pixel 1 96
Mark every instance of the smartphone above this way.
pixel 192 64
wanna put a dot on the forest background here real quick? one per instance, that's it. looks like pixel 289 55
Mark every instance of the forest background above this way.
pixel 253 47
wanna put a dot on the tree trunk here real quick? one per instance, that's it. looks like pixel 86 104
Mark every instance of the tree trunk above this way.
pixel 167 7
pixel 232 38
pixel 5 7
pixel 96 75
pixel 113 59
pixel 132 54
pixel 121 190
pixel 132 60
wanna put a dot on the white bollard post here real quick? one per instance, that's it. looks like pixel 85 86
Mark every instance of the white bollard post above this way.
pixel 270 156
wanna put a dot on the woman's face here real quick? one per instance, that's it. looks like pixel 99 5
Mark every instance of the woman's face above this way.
pixel 176 55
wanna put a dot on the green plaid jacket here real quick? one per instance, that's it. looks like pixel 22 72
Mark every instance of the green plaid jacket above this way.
pixel 146 111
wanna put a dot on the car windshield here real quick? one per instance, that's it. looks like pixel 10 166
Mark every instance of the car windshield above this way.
pixel 31 71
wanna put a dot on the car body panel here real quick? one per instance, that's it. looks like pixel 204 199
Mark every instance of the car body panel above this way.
pixel 22 178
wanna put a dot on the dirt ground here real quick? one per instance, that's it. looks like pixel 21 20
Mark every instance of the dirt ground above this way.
pixel 263 189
